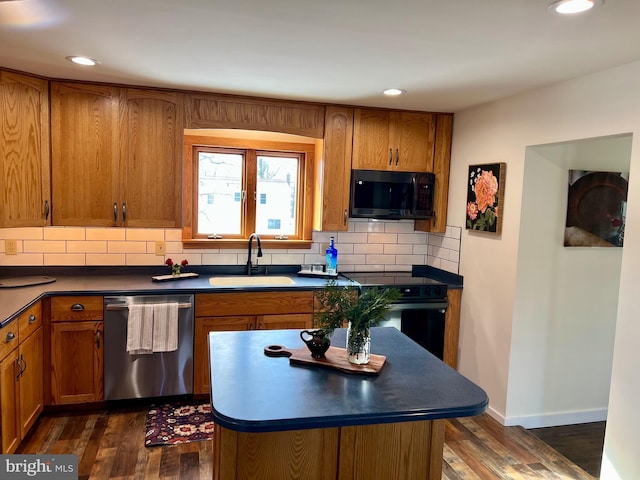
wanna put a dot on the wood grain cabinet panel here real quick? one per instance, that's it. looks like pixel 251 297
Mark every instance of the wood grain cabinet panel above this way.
pixel 85 129
pixel 116 156
pixel 334 170
pixel 151 171
pixel 24 151
pixel 76 362
pixel 393 140
pixel 21 378
pixel 441 165
pixel 77 308
pixel 227 111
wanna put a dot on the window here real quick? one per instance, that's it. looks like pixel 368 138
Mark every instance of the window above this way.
pixel 241 188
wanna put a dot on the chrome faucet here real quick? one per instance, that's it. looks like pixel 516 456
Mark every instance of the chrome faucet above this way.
pixel 250 266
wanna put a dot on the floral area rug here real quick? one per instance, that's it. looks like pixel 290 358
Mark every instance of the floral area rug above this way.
pixel 170 424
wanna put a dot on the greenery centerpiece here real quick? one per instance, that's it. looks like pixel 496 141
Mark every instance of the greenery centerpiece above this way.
pixel 340 305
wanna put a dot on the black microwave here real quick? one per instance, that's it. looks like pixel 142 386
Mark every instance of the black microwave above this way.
pixel 392 195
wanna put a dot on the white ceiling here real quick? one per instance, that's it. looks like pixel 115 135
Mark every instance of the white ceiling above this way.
pixel 448 54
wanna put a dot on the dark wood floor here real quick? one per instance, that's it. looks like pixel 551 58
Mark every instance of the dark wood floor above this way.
pixel 110 445
pixel 582 444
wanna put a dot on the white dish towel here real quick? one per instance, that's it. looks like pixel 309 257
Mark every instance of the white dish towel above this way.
pixel 165 327
pixel 140 329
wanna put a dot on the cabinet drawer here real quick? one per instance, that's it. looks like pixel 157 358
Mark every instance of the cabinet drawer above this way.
pixel 76 308
pixel 29 321
pixel 9 339
pixel 253 303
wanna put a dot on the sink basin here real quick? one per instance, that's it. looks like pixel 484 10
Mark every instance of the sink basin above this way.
pixel 238 281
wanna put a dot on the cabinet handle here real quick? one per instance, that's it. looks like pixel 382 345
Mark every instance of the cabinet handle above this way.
pixel 18 369
pixel 10 336
pixel 77 307
pixel 124 212
pixel 346 216
pixel 250 325
pixel 98 337
pixel 115 212
pixel 22 360
pixel 435 218
pixel 397 156
pixel 46 210
pixel 32 319
pixel 390 156
pixel 260 326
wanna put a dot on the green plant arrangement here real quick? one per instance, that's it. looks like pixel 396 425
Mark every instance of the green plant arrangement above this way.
pixel 338 305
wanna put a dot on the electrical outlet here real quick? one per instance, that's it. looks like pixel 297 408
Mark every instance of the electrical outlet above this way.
pixel 10 247
pixel 324 246
pixel 161 248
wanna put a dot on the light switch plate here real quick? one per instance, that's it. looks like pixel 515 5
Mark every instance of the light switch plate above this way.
pixel 161 248
pixel 10 247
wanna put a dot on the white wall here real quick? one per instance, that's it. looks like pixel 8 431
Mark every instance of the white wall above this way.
pixel 494 341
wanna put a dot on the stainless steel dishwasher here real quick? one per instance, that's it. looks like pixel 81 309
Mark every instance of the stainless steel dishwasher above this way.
pixel 159 374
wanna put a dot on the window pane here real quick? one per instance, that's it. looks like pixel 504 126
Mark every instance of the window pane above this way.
pixel 219 193
pixel 277 184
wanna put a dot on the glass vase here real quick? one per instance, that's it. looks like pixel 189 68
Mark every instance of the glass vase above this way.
pixel 358 345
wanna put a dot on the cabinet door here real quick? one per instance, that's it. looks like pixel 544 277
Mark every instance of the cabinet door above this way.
pixel 24 150
pixel 201 383
pixel 151 166
pixel 441 163
pixel 277 322
pixel 371 136
pixel 76 362
pixel 31 380
pixel 412 141
pixel 9 418
pixel 333 197
pixel 85 154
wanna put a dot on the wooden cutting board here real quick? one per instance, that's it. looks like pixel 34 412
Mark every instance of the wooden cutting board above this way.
pixel 334 358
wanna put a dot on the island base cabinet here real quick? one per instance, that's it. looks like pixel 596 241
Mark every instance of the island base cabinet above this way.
pixel 407 450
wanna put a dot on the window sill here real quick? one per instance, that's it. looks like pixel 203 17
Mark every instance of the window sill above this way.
pixel 241 243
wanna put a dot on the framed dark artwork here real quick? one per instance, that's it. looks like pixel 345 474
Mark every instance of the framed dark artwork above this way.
pixel 596 209
pixel 485 197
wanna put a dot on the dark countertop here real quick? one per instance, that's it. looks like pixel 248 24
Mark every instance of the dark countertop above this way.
pixel 14 301
pixel 252 392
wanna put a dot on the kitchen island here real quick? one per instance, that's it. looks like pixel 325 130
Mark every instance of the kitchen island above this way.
pixel 276 420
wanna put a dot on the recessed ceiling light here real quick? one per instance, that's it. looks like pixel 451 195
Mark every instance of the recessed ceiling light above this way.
pixel 82 60
pixel 567 7
pixel 394 91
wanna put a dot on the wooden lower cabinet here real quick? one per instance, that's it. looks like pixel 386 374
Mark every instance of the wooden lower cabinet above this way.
pixel 76 362
pixel 21 391
pixel 259 311
pixel 204 325
pixel 389 451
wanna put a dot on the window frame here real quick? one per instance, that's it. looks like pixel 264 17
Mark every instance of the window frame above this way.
pixel 306 151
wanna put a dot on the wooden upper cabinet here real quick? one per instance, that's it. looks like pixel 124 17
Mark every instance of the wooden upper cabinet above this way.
pixel 116 156
pixel 393 140
pixel 24 151
pixel 151 174
pixel 441 165
pixel 85 129
pixel 334 170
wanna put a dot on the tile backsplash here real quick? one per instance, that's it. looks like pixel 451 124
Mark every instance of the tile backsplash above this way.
pixel 368 245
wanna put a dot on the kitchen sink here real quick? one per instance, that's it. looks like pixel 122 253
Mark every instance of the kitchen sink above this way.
pixel 241 280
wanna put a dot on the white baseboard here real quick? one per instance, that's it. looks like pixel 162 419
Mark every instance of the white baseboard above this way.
pixel 553 419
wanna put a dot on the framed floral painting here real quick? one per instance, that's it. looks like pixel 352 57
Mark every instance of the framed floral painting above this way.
pixel 485 197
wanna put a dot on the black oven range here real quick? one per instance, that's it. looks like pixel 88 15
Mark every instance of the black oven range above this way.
pixel 419 313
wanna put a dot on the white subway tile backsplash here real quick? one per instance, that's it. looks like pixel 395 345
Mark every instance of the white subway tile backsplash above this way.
pixel 368 245
pixel 145 234
pixel 64 233
pixel 86 246
pixel 64 259
pixel 99 233
pixel 44 246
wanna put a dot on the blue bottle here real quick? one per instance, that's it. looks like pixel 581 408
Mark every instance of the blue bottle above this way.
pixel 331 258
